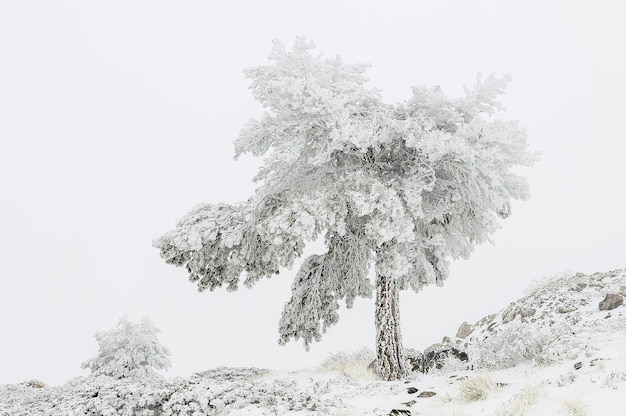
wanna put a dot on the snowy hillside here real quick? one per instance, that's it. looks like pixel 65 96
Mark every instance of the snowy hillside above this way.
pixel 552 352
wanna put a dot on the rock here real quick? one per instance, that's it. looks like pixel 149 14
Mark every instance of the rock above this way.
pixel 578 365
pixel 566 308
pixel 486 320
pixel 396 412
pixel 409 403
pixel 426 394
pixel 595 361
pixel 36 384
pixel 430 359
pixel 509 314
pixel 411 390
pixel 464 330
pixel 527 312
pixel 611 301
pixel 416 362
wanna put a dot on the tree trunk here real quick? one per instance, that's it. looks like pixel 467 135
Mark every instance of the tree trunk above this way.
pixel 390 361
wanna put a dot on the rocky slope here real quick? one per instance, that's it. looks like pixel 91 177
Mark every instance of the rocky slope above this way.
pixel 559 318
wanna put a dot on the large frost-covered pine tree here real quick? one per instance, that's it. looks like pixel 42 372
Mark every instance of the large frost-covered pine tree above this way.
pixel 401 187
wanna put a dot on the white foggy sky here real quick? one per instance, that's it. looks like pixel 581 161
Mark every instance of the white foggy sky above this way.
pixel 117 117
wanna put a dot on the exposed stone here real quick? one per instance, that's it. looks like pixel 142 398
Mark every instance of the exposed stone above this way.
pixel 464 330
pixel 509 314
pixel 566 308
pixel 397 412
pixel 527 312
pixel 578 365
pixel 411 390
pixel 434 347
pixel 416 361
pixel 409 403
pixel 36 384
pixel 486 320
pixel 594 362
pixel 426 394
pixel 611 301
pixel 436 359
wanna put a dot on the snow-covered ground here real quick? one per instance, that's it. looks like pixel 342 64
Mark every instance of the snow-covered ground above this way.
pixel 553 352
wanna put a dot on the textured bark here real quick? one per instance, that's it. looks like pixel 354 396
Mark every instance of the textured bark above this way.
pixel 390 361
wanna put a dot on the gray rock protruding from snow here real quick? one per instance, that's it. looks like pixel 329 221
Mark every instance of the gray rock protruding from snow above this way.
pixel 464 330
pixel 611 301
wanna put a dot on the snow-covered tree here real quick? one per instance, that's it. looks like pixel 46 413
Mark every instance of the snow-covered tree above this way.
pixel 402 187
pixel 129 350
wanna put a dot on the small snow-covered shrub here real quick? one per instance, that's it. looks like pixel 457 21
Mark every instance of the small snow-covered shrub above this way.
pixel 517 342
pixel 476 387
pixel 353 365
pixel 129 350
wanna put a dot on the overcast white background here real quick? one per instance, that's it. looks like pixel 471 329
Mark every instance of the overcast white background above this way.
pixel 118 117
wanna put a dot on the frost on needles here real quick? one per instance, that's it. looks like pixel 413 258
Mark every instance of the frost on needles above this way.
pixel 403 187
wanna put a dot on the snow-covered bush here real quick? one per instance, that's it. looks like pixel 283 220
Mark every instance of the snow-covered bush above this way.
pixel 214 392
pixel 517 342
pixel 129 350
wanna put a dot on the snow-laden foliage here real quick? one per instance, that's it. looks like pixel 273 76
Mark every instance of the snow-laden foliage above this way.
pixel 213 392
pixel 129 350
pixel 405 187
pixel 519 342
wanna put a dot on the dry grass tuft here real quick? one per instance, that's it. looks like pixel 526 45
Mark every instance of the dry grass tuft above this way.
pixel 477 387
pixel 353 365
pixel 576 407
